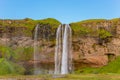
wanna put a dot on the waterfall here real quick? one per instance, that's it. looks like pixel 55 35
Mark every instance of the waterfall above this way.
pixel 41 51
pixel 58 50
pixel 36 52
pixel 63 52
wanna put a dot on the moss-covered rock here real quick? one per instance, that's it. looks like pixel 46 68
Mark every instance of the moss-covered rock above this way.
pixel 25 26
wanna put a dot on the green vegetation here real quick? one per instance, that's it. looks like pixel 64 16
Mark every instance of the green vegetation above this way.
pixel 103 34
pixel 7 67
pixel 6 52
pixel 52 22
pixel 86 27
pixel 24 53
pixel 18 54
pixel 66 77
pixel 89 28
pixel 112 67
pixel 115 19
pixel 80 30
pixel 92 21
pixel 9 59
pixel 28 24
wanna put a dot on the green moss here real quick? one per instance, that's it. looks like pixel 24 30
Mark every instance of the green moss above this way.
pixel 16 55
pixel 115 20
pixel 80 30
pixel 29 24
pixel 23 53
pixel 6 52
pixel 92 21
pixel 104 33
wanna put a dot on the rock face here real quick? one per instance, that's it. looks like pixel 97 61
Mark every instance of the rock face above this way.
pixel 87 49
pixel 95 60
pixel 17 41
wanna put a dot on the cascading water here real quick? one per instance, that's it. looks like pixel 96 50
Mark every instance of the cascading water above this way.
pixel 66 54
pixel 41 43
pixel 36 52
pixel 63 52
pixel 58 50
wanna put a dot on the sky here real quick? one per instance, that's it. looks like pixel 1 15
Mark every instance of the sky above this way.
pixel 66 11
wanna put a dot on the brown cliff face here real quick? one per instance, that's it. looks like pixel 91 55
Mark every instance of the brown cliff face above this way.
pixel 95 49
pixel 88 46
pixel 89 51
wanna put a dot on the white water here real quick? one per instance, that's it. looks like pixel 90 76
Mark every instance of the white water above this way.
pixel 63 52
pixel 36 52
pixel 58 50
pixel 41 50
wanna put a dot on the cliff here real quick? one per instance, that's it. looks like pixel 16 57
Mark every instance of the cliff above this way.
pixel 95 42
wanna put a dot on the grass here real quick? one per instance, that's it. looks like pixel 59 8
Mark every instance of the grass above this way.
pixel 17 54
pixel 80 30
pixel 103 34
pixel 92 20
pixel 112 67
pixel 8 67
pixel 107 76
pixel 27 24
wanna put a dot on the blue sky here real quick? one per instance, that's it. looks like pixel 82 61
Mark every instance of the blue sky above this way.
pixel 65 11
